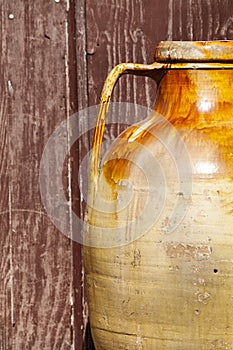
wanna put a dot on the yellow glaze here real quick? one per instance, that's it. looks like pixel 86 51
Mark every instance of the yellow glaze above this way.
pixel 166 290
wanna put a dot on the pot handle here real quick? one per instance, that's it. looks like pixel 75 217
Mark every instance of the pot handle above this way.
pixel 133 68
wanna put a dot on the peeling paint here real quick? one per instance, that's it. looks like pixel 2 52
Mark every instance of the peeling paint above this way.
pixel 11 275
pixel 10 88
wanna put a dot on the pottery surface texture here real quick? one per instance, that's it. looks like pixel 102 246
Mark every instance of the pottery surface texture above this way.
pixel 159 286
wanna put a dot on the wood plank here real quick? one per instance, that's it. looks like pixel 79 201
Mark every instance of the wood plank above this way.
pixel 6 290
pixel 79 151
pixel 37 311
pixel 200 20
pixel 122 31
pixel 78 98
pixel 6 272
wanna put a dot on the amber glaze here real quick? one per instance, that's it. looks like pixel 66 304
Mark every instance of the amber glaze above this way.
pixel 170 292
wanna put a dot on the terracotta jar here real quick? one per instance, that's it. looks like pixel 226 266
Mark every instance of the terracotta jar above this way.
pixel 159 223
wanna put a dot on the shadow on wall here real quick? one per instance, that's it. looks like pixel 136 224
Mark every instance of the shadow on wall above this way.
pixel 88 342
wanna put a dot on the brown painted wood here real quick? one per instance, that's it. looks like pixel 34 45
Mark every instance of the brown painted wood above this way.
pixel 78 325
pixel 200 20
pixel 123 31
pixel 42 303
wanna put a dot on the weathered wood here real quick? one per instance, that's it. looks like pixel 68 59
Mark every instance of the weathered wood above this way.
pixel 123 31
pixel 200 20
pixel 41 291
pixel 73 160
pixel 37 267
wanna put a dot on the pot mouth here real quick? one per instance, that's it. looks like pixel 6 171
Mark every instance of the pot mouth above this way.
pixel 194 51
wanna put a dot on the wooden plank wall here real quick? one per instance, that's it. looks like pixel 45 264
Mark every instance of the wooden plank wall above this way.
pixel 55 55
pixel 40 278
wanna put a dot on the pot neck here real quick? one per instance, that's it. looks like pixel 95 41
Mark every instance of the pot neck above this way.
pixel 194 93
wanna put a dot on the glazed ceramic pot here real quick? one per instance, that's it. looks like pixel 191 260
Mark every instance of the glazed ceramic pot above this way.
pixel 159 223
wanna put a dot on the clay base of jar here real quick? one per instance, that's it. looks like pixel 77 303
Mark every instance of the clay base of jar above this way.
pixel 168 291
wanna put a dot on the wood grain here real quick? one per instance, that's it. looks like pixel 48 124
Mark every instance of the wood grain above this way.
pixel 123 31
pixel 111 40
pixel 37 267
pixel 200 20
pixel 46 48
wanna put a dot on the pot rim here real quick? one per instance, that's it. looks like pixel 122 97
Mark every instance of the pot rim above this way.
pixel 194 51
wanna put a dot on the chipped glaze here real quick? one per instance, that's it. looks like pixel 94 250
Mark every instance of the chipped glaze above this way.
pixel 168 291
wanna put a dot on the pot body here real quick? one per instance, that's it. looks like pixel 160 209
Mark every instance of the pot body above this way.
pixel 167 282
